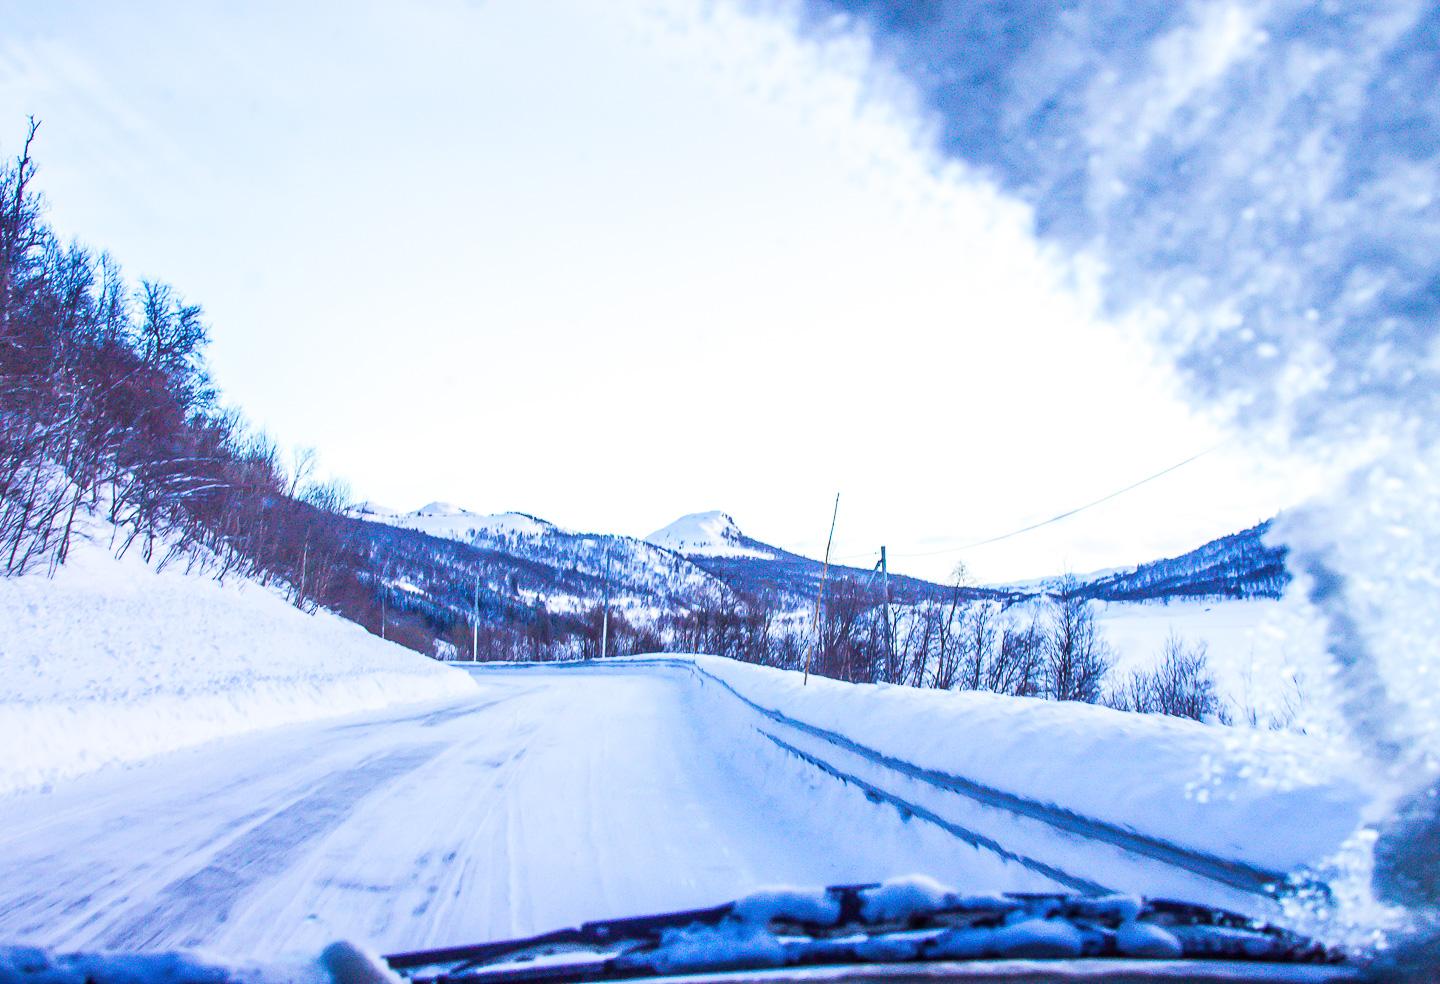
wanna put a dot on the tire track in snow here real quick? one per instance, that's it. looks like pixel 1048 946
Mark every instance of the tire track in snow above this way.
pixel 1234 874
pixel 431 719
pixel 265 851
pixel 974 839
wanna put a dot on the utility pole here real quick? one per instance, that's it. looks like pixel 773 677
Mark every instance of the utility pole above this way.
pixel 889 629
pixel 475 622
pixel 605 611
pixel 820 597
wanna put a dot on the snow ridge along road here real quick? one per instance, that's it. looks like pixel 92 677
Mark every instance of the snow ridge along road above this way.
pixel 1236 874
pixel 557 794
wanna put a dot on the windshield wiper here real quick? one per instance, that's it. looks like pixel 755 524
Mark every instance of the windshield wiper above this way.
pixel 904 922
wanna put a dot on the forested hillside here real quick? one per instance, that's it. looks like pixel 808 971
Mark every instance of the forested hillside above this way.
pixel 1241 565
pixel 106 407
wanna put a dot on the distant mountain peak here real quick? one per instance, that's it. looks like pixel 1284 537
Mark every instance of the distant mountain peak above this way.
pixel 707 534
pixel 441 509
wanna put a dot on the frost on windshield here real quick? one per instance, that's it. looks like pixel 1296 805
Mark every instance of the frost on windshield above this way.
pixel 1260 184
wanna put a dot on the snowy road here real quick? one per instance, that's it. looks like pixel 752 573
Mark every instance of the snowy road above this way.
pixel 553 797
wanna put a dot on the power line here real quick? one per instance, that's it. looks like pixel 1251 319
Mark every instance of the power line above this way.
pixel 1068 513
pixel 1053 519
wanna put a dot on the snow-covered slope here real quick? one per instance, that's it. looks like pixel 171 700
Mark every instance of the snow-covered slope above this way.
pixel 1275 799
pixel 1240 565
pixel 112 661
pixel 707 534
pixel 457 523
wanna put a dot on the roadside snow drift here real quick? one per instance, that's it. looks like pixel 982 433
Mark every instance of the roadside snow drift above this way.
pixel 1279 800
pixel 111 661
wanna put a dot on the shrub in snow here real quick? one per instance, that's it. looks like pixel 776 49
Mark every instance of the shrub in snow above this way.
pixel 1181 686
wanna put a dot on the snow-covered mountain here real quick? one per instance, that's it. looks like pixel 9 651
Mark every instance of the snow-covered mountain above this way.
pixel 708 534
pixel 443 564
pixel 529 575
pixel 457 523
pixel 714 542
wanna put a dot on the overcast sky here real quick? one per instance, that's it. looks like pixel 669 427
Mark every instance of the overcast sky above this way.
pixel 611 262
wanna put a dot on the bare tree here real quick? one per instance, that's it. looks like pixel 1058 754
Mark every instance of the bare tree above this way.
pixel 946 670
pixel 851 632
pixel 1077 659
pixel 1180 685
pixel 977 645
pixel 722 624
pixel 1018 666
pixel 915 642
pixel 21 233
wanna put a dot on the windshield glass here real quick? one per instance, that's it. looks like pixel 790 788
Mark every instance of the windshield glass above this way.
pixel 1047 395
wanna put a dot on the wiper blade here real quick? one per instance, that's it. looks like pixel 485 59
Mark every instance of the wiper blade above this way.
pixel 907 921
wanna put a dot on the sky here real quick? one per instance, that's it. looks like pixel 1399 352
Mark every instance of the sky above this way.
pixel 612 262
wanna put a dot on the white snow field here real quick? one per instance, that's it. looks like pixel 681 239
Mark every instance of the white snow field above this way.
pixel 111 661
pixel 1266 654
pixel 556 794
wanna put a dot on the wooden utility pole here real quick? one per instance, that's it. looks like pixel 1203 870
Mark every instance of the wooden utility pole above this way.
pixel 820 596
pixel 889 629
pixel 605 610
pixel 475 622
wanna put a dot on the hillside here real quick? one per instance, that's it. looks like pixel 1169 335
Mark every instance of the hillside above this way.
pixel 1237 565
pixel 532 571
pixel 112 660
pixel 1241 565
pixel 537 588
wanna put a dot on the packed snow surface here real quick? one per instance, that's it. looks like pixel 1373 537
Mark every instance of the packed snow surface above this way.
pixel 705 534
pixel 558 794
pixel 111 661
pixel 551 797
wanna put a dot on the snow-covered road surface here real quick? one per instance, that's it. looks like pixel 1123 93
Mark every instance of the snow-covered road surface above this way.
pixel 550 798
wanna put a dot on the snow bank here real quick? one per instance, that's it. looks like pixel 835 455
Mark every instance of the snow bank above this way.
pixel 111 661
pixel 1277 800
